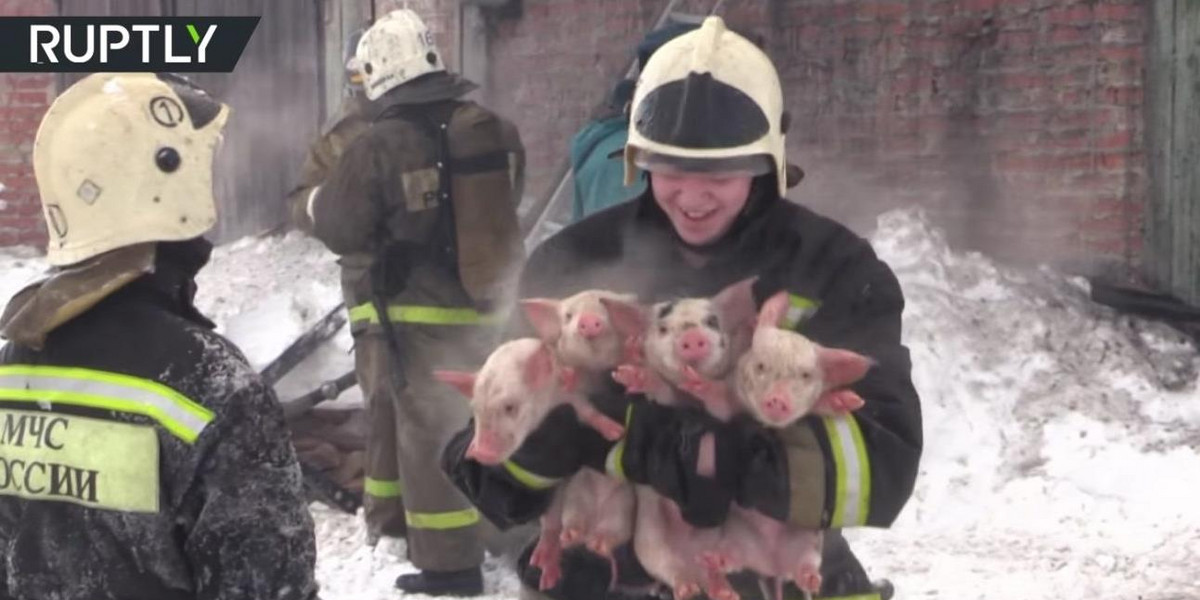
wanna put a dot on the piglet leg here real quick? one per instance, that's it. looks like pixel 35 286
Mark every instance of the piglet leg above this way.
pixel 716 395
pixel 610 429
pixel 639 379
pixel 837 402
pixel 547 555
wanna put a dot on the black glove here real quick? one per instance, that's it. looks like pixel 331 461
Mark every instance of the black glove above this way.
pixel 503 500
pixel 661 450
pixel 562 445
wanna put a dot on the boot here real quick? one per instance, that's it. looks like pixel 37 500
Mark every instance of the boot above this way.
pixel 884 588
pixel 468 582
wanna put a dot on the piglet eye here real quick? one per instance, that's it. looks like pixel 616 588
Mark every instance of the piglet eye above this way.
pixel 510 409
pixel 711 322
pixel 570 315
pixel 761 368
pixel 662 330
pixel 805 376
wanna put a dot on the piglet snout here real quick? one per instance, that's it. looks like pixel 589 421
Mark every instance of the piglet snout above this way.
pixel 484 450
pixel 591 325
pixel 693 346
pixel 777 406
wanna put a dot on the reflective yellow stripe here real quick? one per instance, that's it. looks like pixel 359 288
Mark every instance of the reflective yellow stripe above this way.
pixel 423 315
pixel 799 308
pixel 853 487
pixel 528 478
pixel 614 463
pixel 111 391
pixel 382 488
pixel 446 520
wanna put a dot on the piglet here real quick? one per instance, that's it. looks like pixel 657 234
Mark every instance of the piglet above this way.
pixel 783 377
pixel 580 330
pixel 698 336
pixel 676 553
pixel 596 510
pixel 519 384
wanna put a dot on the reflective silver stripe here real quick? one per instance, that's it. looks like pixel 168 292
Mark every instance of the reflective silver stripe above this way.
pixel 853 486
pixel 99 389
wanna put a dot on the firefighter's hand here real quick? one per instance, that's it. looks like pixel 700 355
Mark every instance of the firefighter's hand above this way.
pixel 685 455
pixel 562 445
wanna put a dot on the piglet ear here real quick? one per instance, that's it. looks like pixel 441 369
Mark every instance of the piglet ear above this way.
pixel 842 367
pixel 462 381
pixel 543 315
pixel 539 368
pixel 735 304
pixel 774 310
pixel 628 318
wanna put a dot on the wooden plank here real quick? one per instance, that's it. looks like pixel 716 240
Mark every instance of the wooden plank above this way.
pixel 1160 137
pixel 473 50
pixel 275 93
pixel 332 41
pixel 1185 272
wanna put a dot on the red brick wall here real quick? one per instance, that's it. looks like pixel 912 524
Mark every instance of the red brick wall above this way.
pixel 23 99
pixel 1017 123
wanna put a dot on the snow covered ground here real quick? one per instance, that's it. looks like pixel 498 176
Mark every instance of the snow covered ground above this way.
pixel 1062 441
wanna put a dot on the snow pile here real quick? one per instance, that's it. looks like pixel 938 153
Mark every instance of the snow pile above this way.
pixel 264 292
pixel 1061 440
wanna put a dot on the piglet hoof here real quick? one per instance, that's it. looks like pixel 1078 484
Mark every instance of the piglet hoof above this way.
pixel 547 556
pixel 683 591
pixel 550 577
pixel 600 546
pixel 636 379
pixel 722 591
pixel 610 429
pixel 838 402
pixel 570 537
pixel 808 579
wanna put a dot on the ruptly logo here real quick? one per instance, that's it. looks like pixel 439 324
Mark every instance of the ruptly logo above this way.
pixel 123 44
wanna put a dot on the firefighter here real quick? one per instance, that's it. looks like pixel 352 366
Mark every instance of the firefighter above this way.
pixel 422 211
pixel 140 454
pixel 708 125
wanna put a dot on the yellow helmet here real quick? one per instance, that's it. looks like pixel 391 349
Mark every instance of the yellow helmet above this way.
pixel 397 49
pixel 126 158
pixel 708 100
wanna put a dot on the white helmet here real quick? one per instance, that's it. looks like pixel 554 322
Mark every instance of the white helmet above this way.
pixel 397 49
pixel 708 100
pixel 126 158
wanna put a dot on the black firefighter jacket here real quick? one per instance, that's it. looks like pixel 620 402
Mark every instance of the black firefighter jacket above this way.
pixel 142 458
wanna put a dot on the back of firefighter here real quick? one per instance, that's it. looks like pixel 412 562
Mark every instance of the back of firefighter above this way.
pixel 422 211
pixel 140 455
